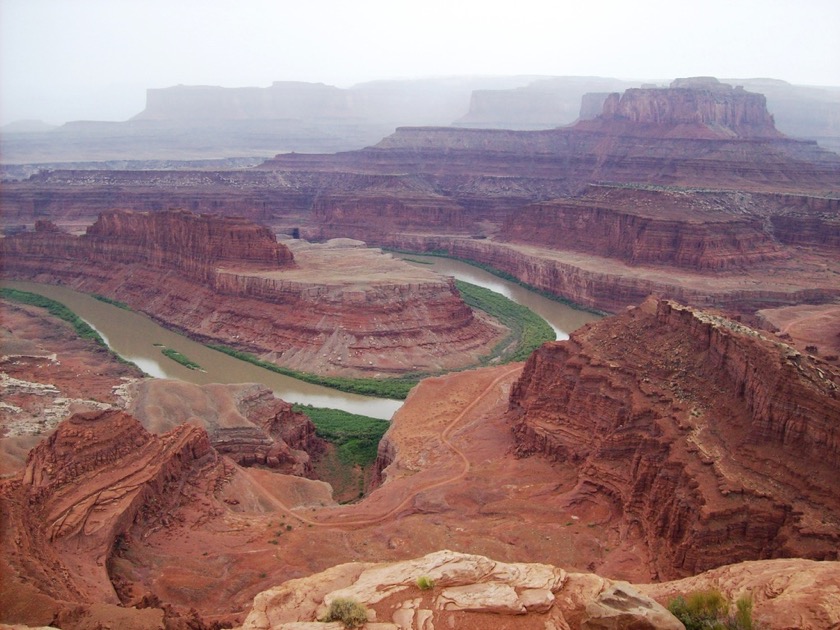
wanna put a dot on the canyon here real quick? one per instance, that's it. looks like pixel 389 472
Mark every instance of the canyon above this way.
pixel 688 441
pixel 332 309
pixel 701 444
pixel 664 189
pixel 651 445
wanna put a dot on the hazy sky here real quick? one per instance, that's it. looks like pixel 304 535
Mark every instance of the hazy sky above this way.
pixel 93 59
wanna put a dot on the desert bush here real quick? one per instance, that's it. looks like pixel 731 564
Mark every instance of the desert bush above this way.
pixel 709 610
pixel 348 611
pixel 425 583
pixel 355 436
pixel 180 358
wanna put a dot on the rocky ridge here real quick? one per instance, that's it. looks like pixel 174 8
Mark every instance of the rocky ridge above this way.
pixel 472 591
pixel 467 591
pixel 716 443
pixel 332 312
pixel 697 174
pixel 81 490
pixel 696 231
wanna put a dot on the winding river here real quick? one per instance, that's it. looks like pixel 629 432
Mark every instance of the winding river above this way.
pixel 133 336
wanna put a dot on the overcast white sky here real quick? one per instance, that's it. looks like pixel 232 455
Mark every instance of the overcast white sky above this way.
pixel 93 59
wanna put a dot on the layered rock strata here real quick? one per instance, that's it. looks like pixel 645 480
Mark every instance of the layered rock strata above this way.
pixel 695 106
pixel 705 185
pixel 245 422
pixel 228 280
pixel 609 284
pixel 696 231
pixel 714 443
pixel 81 490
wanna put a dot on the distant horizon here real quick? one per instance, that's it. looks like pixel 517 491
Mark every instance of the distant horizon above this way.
pixel 531 76
pixel 94 59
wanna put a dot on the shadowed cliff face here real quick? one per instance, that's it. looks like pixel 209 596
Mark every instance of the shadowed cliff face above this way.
pixel 717 443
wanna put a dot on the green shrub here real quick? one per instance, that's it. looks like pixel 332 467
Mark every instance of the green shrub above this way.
pixel 528 331
pixel 504 275
pixel 425 583
pixel 394 388
pixel 111 301
pixel 348 611
pixel 743 613
pixel 356 437
pixel 180 358
pixel 709 610
pixel 59 310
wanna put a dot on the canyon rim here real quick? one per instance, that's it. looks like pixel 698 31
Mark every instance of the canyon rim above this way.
pixel 686 441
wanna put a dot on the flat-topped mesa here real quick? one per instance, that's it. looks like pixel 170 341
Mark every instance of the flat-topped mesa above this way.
pixel 194 243
pixel 339 308
pixel 700 107
pixel 716 443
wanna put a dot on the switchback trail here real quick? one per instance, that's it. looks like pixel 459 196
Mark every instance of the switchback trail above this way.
pixel 444 436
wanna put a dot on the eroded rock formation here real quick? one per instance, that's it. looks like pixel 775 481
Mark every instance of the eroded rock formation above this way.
pixel 696 231
pixel 81 490
pixel 47 372
pixel 672 151
pixel 474 591
pixel 228 280
pixel 714 442
pixel 467 591
pixel 245 422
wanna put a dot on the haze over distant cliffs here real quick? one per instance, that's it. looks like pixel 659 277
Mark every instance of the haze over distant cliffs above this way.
pixel 208 122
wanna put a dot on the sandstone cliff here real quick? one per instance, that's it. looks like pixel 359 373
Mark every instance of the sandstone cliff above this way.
pixel 650 227
pixel 228 280
pixel 715 443
pixel 610 284
pixel 82 489
pixel 774 231
pixel 696 107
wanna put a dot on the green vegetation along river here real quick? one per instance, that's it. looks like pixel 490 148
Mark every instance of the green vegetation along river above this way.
pixel 137 338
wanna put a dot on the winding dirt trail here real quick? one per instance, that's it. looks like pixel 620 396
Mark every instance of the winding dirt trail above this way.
pixel 416 490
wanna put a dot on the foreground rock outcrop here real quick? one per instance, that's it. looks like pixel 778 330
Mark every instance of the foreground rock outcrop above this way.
pixel 332 310
pixel 466 591
pixel 714 442
pixel 790 593
pixel 81 491
pixel 472 591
